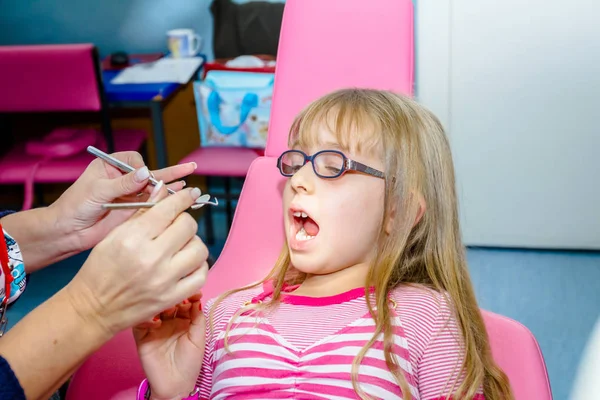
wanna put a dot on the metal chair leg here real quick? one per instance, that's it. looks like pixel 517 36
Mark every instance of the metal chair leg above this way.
pixel 208 220
pixel 39 194
pixel 229 201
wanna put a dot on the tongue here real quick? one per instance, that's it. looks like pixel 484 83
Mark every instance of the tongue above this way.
pixel 311 227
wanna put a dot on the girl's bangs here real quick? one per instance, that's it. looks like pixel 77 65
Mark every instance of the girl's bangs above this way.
pixel 354 126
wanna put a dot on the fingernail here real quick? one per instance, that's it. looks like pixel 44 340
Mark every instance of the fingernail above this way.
pixel 186 301
pixel 196 193
pixel 155 319
pixel 195 165
pixel 141 174
pixel 156 189
pixel 184 183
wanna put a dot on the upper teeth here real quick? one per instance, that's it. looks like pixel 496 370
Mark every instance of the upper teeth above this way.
pixel 300 214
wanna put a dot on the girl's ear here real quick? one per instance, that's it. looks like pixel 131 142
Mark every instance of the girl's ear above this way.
pixel 421 207
pixel 421 210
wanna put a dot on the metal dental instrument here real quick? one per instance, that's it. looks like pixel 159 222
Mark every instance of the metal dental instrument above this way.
pixel 120 164
pixel 200 201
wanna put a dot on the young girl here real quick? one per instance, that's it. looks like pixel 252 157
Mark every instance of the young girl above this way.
pixel 370 297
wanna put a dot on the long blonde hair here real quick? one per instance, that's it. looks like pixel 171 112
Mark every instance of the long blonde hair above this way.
pixel 417 157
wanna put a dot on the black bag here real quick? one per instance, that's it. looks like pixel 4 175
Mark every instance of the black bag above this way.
pixel 246 29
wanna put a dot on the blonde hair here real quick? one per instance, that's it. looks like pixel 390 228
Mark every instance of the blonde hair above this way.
pixel 418 164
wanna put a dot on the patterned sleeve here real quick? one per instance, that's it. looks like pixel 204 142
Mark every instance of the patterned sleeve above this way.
pixel 204 381
pixel 440 363
pixel 18 277
pixel 436 350
pixel 222 314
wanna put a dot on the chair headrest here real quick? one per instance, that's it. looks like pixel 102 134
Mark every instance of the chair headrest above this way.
pixel 328 45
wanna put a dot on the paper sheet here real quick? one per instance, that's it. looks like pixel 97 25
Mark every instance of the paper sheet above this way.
pixel 178 70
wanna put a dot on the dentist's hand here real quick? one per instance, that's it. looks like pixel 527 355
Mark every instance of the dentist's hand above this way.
pixel 77 221
pixel 144 266
pixel 171 346
pixel 149 263
pixel 79 212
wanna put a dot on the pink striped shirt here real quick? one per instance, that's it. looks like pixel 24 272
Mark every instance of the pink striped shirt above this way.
pixel 304 348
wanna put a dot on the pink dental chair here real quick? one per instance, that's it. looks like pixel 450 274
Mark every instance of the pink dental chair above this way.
pixel 324 45
pixel 55 78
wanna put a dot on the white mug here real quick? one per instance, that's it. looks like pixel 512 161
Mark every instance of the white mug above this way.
pixel 183 43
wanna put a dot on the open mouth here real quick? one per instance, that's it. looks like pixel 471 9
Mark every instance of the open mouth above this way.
pixel 306 228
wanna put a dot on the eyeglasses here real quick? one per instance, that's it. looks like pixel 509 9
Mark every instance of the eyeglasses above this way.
pixel 326 164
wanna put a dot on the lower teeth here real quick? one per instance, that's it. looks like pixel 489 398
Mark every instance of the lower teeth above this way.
pixel 302 235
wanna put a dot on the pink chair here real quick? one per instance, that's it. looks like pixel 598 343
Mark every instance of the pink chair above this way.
pixel 518 353
pixel 55 78
pixel 309 65
pixel 225 162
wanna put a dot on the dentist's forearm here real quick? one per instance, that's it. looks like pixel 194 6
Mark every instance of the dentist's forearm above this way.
pixel 46 346
pixel 39 237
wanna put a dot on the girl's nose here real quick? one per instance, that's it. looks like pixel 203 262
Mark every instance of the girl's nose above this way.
pixel 303 179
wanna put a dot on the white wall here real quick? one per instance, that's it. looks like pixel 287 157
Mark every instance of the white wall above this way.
pixel 517 85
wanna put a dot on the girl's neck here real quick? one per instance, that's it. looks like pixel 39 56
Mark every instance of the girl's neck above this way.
pixel 334 283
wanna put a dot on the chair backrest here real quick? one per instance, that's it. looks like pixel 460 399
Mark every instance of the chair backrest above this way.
pixel 517 352
pixel 328 45
pixel 42 78
pixel 324 46
pixel 53 78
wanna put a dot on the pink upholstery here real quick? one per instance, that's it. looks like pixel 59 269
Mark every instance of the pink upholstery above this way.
pixel 54 78
pixel 327 45
pixel 517 352
pixel 256 235
pixel 112 373
pixel 15 165
pixel 48 78
pixel 222 161
pixel 324 45
pixel 315 56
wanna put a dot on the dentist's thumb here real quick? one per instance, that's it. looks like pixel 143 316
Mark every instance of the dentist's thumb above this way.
pixel 128 184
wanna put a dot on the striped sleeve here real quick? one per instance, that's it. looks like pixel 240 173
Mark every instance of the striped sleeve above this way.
pixel 437 350
pixel 220 318
pixel 204 381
